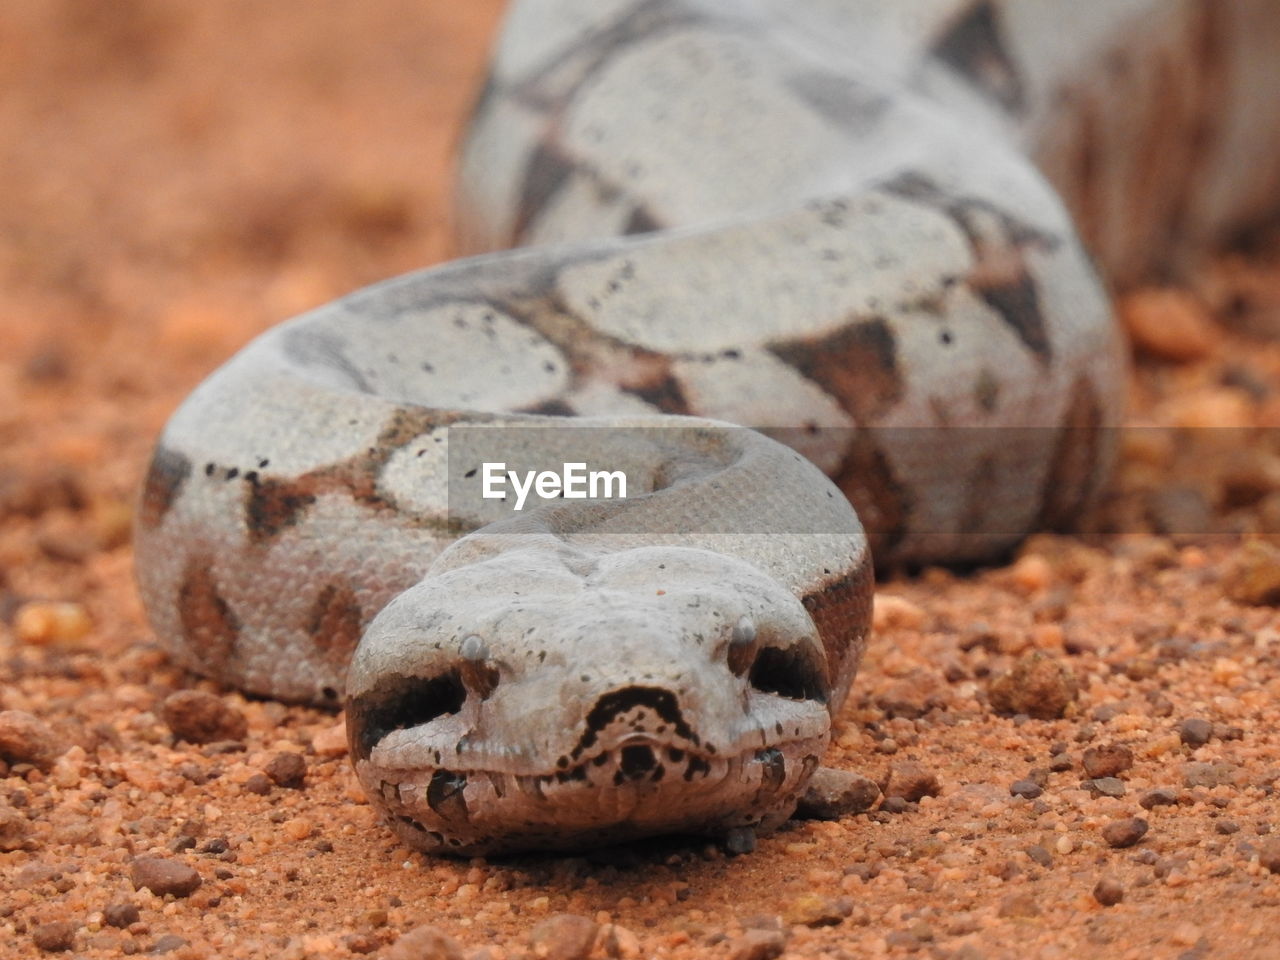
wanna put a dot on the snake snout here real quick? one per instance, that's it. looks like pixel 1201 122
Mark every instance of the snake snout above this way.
pixel 637 761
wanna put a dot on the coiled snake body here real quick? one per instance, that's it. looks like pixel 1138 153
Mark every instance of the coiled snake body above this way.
pixel 830 220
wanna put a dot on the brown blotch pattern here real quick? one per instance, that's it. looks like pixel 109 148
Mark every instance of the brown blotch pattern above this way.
pixel 545 176
pixel 652 380
pixel 210 627
pixel 999 243
pixel 882 503
pixel 1073 479
pixel 975 47
pixel 840 605
pixel 858 366
pixel 274 504
pixel 168 472
pixel 336 624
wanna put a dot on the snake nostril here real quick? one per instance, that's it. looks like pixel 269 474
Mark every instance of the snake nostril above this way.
pixel 400 702
pixel 793 672
pixel 637 761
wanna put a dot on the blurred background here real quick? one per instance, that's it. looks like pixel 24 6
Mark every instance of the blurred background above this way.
pixel 175 178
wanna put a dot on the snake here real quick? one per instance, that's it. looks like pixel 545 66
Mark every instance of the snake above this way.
pixel 826 284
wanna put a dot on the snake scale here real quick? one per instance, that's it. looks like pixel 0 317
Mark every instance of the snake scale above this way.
pixel 859 226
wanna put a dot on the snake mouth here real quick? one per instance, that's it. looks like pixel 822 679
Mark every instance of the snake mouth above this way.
pixel 636 788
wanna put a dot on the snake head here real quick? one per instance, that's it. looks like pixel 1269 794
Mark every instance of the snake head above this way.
pixel 558 697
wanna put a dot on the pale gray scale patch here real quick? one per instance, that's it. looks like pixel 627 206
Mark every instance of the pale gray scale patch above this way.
pixel 845 102
pixel 760 390
pixel 585 207
pixel 569 68
pixel 695 101
pixel 309 347
pixel 462 355
pixel 798 274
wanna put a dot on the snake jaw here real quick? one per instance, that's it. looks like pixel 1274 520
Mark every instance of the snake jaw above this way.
pixel 635 712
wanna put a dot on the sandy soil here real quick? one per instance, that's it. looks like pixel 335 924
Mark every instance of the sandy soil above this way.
pixel 177 177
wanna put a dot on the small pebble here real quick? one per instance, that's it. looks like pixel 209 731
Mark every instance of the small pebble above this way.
pixel 619 942
pixel 331 741
pixel 1254 575
pixel 57 936
pixel 758 945
pixel 910 781
pixel 287 770
pixel 740 841
pixel 565 936
pixel 39 623
pixel 199 717
pixel 895 805
pixel 1269 855
pixel 1040 855
pixel 814 910
pixel 1038 685
pixel 1169 324
pixel 1106 786
pixel 25 738
pixel 1195 731
pixel 162 876
pixel 1124 833
pixel 121 914
pixel 1209 774
pixel 834 794
pixel 1060 763
pixel 425 943
pixel 888 611
pixel 168 943
pixel 259 784
pixel 1107 760
pixel 1019 905
pixel 1226 827
pixel 1108 891
pixel 1159 797
pixel 1025 788
pixel 15 829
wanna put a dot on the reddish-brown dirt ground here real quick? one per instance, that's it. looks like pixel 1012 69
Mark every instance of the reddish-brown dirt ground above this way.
pixel 175 178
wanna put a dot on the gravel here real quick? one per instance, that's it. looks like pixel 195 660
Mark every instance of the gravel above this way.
pixel 57 936
pixel 1124 833
pixel 1108 760
pixel 1108 891
pixel 121 914
pixel 1038 685
pixel 910 781
pixel 758 945
pixel 25 738
pixel 1159 797
pixel 835 794
pixel 425 943
pixel 199 717
pixel 566 936
pixel 1025 788
pixel 287 770
pixel 162 876
pixel 1195 731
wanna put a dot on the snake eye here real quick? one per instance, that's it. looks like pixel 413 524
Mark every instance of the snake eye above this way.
pixel 791 672
pixel 399 703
